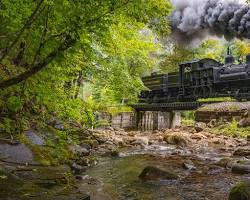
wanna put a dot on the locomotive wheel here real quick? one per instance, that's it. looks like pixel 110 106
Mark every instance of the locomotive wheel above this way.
pixel 198 92
pixel 203 92
pixel 207 91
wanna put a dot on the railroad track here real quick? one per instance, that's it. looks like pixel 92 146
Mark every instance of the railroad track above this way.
pixel 170 106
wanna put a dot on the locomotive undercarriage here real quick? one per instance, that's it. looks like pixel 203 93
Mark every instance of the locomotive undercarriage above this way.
pixel 194 93
pixel 239 90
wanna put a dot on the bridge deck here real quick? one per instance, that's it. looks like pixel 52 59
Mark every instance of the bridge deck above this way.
pixel 169 106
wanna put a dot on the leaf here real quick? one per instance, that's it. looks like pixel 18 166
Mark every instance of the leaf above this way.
pixel 14 103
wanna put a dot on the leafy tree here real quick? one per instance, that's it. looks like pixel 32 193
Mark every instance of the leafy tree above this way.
pixel 50 48
pixel 127 57
pixel 176 54
pixel 240 49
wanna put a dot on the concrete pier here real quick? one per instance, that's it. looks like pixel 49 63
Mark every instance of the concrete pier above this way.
pixel 153 120
pixel 142 120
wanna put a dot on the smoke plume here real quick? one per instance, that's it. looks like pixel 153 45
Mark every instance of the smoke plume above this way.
pixel 197 19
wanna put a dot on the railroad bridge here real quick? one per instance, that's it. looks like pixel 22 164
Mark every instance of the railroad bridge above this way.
pixel 161 115
pixel 168 115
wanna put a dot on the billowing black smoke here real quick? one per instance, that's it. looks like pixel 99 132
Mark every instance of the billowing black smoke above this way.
pixel 197 19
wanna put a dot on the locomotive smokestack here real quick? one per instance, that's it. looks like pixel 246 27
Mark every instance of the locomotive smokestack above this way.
pixel 197 19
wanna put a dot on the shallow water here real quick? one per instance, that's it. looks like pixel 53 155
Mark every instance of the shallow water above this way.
pixel 117 178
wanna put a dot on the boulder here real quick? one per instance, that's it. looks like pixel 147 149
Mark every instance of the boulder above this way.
pixel 245 122
pixel 92 142
pixel 175 139
pixel 151 173
pixel 86 146
pixel 34 138
pixel 189 165
pixel 198 136
pixel 213 170
pixel 241 191
pixel 242 152
pixel 79 150
pixel 224 162
pixel 141 141
pixel 118 141
pixel 200 126
pixel 212 123
pixel 77 169
pixel 217 141
pixel 17 153
pixel 241 168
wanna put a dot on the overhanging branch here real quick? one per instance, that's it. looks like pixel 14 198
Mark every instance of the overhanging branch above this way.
pixel 38 67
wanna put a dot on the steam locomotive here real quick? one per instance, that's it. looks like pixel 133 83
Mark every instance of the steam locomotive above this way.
pixel 205 78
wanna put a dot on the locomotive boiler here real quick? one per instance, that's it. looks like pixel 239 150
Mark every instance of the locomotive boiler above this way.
pixel 205 78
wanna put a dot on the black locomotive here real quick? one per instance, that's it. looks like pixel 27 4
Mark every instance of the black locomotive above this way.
pixel 206 78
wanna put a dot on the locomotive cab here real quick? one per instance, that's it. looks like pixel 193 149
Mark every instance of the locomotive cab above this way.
pixel 197 78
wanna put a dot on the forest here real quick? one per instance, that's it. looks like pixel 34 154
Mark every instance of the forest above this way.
pixel 63 62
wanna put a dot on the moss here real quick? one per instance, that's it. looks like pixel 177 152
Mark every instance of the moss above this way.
pixel 241 191
pixel 113 110
pixel 56 155
pixel 218 99
pixel 51 129
pixel 55 152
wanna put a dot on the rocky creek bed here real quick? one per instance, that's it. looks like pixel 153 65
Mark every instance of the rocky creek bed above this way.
pixel 190 163
pixel 206 166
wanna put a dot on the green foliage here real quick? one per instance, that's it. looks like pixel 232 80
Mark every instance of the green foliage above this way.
pixel 188 118
pixel 113 110
pixel 14 104
pixel 176 54
pixel 240 191
pixel 240 49
pixel 105 44
pixel 232 129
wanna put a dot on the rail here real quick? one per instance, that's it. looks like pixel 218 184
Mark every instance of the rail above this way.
pixel 170 106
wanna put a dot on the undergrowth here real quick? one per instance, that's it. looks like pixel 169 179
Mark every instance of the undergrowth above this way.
pixel 232 129
pixel 188 118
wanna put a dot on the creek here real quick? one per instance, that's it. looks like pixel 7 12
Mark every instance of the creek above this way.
pixel 117 178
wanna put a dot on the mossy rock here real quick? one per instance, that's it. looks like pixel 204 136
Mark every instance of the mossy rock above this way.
pixel 224 162
pixel 151 173
pixel 175 139
pixel 93 143
pixel 241 191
